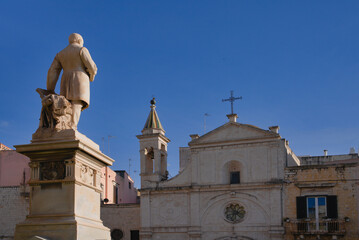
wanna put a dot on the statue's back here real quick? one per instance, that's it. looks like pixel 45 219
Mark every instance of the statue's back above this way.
pixel 70 58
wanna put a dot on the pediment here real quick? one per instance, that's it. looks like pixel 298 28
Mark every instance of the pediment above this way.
pixel 232 131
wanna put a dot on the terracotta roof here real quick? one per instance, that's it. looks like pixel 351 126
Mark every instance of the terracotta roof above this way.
pixel 3 147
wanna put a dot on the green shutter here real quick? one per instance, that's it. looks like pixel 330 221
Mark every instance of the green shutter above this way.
pixel 332 207
pixel 301 207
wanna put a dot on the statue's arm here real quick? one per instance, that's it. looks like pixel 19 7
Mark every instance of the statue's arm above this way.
pixel 53 74
pixel 89 63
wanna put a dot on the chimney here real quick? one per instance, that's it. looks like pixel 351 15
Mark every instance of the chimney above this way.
pixel 194 136
pixel 232 117
pixel 352 150
pixel 325 152
pixel 274 129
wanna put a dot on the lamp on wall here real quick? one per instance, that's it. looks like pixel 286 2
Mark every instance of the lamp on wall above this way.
pixel 346 219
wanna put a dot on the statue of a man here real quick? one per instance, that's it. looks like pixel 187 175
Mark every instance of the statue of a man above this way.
pixel 78 70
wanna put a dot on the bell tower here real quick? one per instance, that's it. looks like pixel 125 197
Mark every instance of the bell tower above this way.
pixel 153 150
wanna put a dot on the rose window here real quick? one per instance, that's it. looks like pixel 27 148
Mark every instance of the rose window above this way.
pixel 234 212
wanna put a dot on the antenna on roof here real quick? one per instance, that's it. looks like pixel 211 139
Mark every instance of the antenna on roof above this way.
pixel 129 166
pixel 204 125
pixel 108 143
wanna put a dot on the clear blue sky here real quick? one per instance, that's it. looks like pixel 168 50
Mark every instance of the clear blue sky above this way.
pixel 296 64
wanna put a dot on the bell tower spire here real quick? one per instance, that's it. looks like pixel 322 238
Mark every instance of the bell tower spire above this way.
pixel 153 124
pixel 153 149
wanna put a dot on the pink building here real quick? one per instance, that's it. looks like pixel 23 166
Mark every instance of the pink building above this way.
pixel 14 168
pixel 108 183
pixel 127 193
pixel 118 187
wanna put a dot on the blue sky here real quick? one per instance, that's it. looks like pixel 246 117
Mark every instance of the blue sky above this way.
pixel 296 64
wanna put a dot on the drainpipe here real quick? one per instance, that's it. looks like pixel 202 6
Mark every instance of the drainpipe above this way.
pixel 281 204
pixel 106 182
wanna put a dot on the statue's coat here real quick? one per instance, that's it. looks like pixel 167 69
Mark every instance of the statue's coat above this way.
pixel 79 69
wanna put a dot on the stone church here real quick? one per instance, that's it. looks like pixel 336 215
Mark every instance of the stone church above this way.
pixel 230 184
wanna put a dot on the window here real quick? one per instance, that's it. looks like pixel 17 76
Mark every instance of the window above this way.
pixel 116 234
pixel 149 166
pixel 135 235
pixel 234 177
pixel 115 194
pixel 315 209
pixel 129 185
pixel 234 212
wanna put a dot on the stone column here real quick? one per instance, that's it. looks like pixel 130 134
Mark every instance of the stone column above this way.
pixel 65 190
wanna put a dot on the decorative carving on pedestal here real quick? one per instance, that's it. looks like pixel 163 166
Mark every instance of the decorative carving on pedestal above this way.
pixel 54 170
pixel 87 175
pixel 56 111
pixel 35 170
pixel 70 168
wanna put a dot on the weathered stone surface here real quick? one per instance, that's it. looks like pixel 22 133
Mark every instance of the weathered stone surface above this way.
pixel 65 190
pixel 128 214
pixel 13 209
pixel 56 114
pixel 193 204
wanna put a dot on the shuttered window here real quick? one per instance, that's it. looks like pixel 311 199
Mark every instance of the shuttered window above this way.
pixel 332 207
pixel 301 207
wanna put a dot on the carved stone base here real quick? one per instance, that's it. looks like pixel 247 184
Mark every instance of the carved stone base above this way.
pixel 65 189
pixel 45 135
pixel 61 229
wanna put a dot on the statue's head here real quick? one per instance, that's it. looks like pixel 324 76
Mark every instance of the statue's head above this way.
pixel 76 38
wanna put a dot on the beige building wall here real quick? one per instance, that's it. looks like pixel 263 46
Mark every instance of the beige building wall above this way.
pixel 125 217
pixel 341 180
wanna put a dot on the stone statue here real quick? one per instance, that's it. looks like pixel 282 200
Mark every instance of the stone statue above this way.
pixel 78 70
pixel 56 112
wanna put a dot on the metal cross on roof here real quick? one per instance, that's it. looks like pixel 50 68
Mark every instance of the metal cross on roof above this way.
pixel 231 99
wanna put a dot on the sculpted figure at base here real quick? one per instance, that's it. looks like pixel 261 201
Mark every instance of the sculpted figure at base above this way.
pixel 56 112
pixel 78 70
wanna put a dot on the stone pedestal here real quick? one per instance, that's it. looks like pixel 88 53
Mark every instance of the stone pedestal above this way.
pixel 64 189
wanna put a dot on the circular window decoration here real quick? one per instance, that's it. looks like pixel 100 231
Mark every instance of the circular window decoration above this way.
pixel 116 234
pixel 234 212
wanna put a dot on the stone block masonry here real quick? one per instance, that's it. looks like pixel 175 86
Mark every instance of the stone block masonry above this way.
pixel 13 209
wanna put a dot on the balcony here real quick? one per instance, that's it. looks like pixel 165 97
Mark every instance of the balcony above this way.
pixel 302 227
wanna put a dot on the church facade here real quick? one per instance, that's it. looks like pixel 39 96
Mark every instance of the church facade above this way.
pixel 230 185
